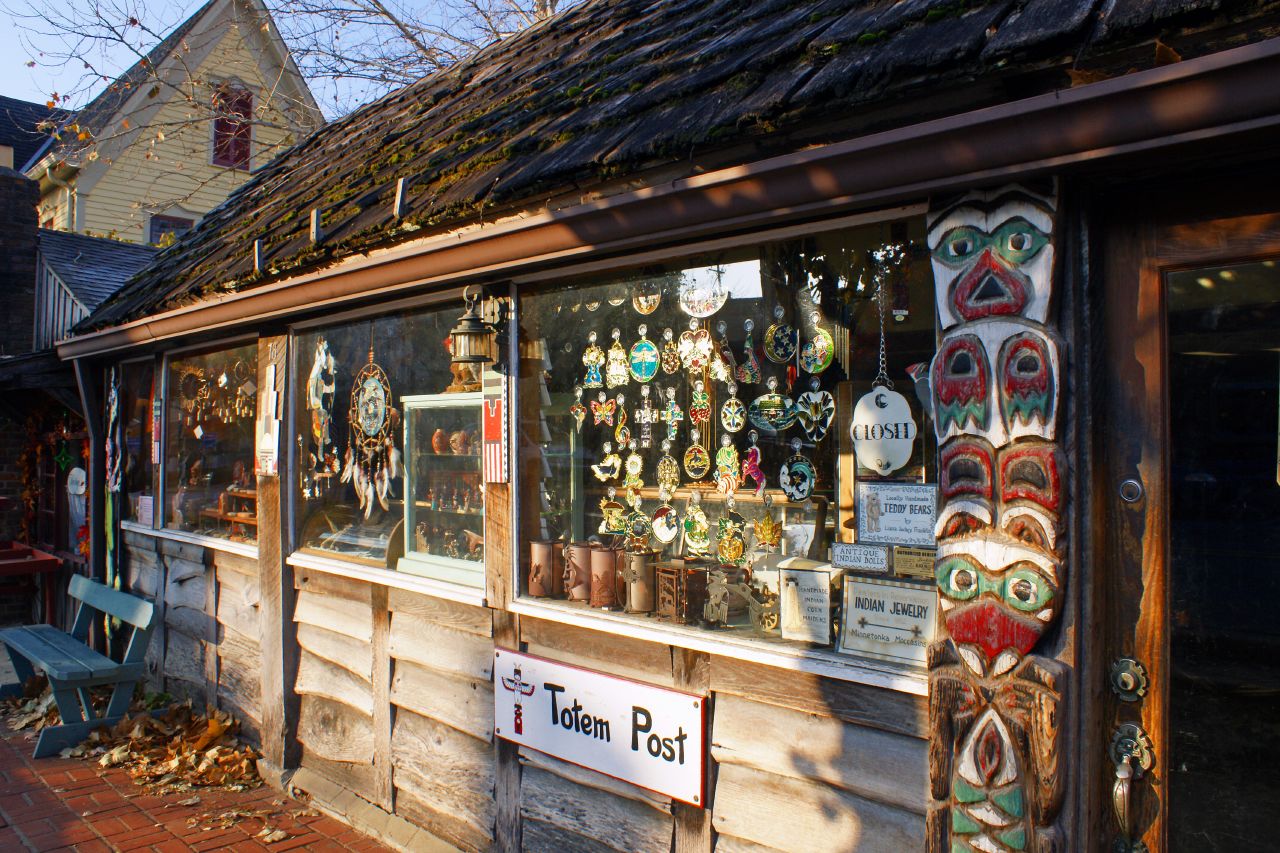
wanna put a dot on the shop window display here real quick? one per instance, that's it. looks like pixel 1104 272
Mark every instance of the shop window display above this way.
pixel 136 416
pixel 686 451
pixel 388 441
pixel 210 486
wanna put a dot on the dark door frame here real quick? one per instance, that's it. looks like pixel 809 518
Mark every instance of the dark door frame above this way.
pixel 1125 604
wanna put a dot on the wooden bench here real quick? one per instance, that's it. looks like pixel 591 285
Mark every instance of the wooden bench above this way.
pixel 72 667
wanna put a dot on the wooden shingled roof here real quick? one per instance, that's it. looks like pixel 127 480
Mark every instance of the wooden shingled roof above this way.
pixel 611 88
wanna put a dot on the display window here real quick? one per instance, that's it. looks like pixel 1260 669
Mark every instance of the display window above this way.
pixel 137 417
pixel 736 443
pixel 211 407
pixel 388 433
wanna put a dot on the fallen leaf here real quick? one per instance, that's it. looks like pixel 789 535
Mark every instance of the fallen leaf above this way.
pixel 270 836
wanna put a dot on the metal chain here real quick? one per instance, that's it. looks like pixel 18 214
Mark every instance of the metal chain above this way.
pixel 882 378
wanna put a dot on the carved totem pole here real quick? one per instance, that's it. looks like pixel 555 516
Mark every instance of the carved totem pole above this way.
pixel 994 706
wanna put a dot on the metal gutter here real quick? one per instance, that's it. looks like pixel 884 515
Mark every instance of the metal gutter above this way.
pixel 1225 93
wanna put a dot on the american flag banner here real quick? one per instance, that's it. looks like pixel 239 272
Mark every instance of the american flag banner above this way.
pixel 494 426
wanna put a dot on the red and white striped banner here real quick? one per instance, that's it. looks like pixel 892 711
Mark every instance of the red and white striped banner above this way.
pixel 494 426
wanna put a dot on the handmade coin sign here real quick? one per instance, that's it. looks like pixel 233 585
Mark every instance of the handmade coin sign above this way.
pixel 883 431
pixel 914 562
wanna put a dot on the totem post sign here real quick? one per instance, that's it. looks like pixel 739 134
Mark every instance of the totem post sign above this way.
pixel 649 736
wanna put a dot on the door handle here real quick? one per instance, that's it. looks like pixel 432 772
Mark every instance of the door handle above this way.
pixel 1131 753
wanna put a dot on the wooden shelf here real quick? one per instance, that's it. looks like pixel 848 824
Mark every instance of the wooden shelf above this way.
pixel 251 520
pixel 467 512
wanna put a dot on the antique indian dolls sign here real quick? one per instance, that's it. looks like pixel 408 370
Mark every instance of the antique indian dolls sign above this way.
pixel 648 736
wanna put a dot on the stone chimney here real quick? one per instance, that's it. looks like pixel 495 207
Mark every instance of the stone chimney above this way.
pixel 18 225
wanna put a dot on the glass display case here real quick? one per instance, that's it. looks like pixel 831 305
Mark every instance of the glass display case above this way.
pixel 444 505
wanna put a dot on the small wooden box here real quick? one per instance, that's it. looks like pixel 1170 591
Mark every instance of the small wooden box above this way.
pixel 682 590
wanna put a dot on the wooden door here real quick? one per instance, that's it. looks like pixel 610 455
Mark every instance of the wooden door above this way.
pixel 1184 655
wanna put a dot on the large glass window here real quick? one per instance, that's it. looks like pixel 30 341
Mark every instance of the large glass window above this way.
pixel 685 447
pixel 383 413
pixel 210 487
pixel 136 419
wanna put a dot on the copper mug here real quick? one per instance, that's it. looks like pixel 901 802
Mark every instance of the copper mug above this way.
pixel 606 566
pixel 546 569
pixel 640 583
pixel 577 570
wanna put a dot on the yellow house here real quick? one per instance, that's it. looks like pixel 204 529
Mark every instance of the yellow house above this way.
pixel 173 136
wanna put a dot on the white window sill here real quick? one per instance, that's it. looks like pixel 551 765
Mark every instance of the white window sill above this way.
pixel 828 664
pixel 243 549
pixel 391 579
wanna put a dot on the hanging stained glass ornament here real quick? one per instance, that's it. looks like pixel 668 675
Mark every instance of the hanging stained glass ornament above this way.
pixel 577 410
pixel 780 339
pixel 699 405
pixel 733 413
pixel 702 291
pixel 643 359
pixel 751 469
pixel 697 461
pixel 639 527
pixel 63 457
pixel 603 409
pixel 723 367
pixel 614 520
pixel 672 415
pixel 797 477
pixel 645 415
pixel 771 412
pixel 814 410
pixel 697 530
pixel 647 297
pixel 767 530
pixel 666 521
pixel 633 468
pixel 615 301
pixel 622 432
pixel 695 348
pixel 593 360
pixel 818 352
pixel 668 472
pixel 321 393
pixel 112 456
pixel 616 371
pixel 731 540
pixel 372 462
pixel 727 474
pixel 670 358
pixel 610 467
pixel 748 373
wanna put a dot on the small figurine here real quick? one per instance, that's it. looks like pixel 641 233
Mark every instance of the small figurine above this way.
pixel 751 465
pixel 440 441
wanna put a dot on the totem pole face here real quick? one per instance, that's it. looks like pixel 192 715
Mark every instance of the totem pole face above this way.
pixel 993 256
pixel 995 392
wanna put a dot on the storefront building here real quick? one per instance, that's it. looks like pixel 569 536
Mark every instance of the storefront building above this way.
pixel 861 436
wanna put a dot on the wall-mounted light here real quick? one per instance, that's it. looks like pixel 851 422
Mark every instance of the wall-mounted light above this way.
pixel 471 336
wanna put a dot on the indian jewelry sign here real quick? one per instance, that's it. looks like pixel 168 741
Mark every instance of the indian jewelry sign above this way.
pixel 649 736
pixel 888 620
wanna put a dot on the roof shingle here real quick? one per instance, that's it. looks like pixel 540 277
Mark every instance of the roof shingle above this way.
pixel 93 268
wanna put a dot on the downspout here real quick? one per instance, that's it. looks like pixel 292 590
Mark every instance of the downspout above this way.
pixel 71 196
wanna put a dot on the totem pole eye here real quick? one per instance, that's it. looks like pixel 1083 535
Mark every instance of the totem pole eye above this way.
pixel 1025 590
pixel 958 578
pixel 959 244
pixel 962 364
pixel 1020 241
pixel 1028 365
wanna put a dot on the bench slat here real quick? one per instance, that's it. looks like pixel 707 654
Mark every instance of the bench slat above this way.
pixel 61 657
pixel 128 608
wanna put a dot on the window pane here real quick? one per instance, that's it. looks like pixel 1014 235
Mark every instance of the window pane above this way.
pixel 210 487
pixel 359 385
pixel 765 351
pixel 232 130
pixel 136 417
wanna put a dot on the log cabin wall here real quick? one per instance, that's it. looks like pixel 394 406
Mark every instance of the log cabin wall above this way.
pixel 206 645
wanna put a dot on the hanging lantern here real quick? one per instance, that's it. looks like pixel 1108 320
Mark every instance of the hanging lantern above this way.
pixel 470 337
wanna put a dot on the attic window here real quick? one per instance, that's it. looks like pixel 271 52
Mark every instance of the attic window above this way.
pixel 164 225
pixel 233 109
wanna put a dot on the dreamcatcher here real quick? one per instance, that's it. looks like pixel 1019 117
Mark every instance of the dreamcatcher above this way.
pixel 372 460
pixel 320 393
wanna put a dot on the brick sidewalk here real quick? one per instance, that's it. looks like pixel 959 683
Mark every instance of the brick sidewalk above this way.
pixel 64 804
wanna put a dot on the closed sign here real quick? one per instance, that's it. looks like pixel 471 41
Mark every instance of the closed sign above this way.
pixel 649 736
pixel 883 431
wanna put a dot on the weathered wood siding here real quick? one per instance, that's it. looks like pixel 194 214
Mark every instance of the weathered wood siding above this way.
pixel 442 742
pixel 206 645
pixel 842 766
